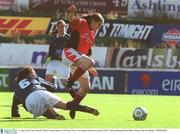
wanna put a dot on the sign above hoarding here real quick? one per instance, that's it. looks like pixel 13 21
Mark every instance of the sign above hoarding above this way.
pixel 6 4
pixel 154 8
pixel 83 6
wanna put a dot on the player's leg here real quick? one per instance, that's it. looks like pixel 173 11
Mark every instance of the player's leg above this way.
pixel 49 77
pixel 70 90
pixel 40 103
pixel 83 63
pixel 83 108
pixel 61 104
pixel 81 93
pixel 78 96
pixel 51 114
pixel 50 71
pixel 87 110
pixel 63 73
pixel 66 106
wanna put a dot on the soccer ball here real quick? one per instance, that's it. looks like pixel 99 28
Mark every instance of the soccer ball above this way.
pixel 140 113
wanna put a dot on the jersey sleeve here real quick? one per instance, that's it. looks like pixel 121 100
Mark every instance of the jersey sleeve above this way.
pixel 51 47
pixel 15 108
pixel 48 85
pixel 77 23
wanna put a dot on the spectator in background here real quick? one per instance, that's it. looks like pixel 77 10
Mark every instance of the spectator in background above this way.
pixel 56 67
pixel 2 35
pixel 112 15
pixel 58 14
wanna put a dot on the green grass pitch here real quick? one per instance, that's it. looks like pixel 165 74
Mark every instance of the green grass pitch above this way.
pixel 115 112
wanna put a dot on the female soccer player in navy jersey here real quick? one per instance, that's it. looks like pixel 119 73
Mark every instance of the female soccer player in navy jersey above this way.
pixel 33 93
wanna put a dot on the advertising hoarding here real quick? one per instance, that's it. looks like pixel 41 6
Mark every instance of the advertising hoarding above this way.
pixel 125 30
pixel 154 9
pixel 165 36
pixel 23 26
pixel 143 58
pixel 114 81
pixel 153 83
pixel 4 79
pixel 107 81
pixel 27 54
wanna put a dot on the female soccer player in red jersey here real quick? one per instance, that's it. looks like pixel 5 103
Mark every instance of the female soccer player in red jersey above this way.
pixel 77 51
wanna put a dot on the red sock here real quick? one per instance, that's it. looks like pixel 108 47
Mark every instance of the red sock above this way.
pixel 77 99
pixel 80 70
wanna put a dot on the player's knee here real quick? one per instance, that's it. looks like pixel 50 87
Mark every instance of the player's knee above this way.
pixel 87 62
pixel 86 89
pixel 83 92
pixel 91 62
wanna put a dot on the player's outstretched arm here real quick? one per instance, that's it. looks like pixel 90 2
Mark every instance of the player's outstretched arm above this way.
pixel 93 71
pixel 72 10
pixel 15 108
pixel 48 85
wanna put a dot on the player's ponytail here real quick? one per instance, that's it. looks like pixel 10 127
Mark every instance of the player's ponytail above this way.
pixel 23 73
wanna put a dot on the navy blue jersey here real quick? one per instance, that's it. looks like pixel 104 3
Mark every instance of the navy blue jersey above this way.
pixel 27 86
pixel 56 46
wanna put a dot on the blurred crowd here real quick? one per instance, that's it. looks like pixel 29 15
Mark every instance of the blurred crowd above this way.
pixel 62 13
pixel 55 15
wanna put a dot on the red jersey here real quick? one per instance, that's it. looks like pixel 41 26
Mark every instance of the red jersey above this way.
pixel 86 35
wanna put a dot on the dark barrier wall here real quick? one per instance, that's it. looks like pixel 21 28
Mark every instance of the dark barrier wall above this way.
pixel 154 83
pixel 114 82
pixel 108 81
pixel 4 79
